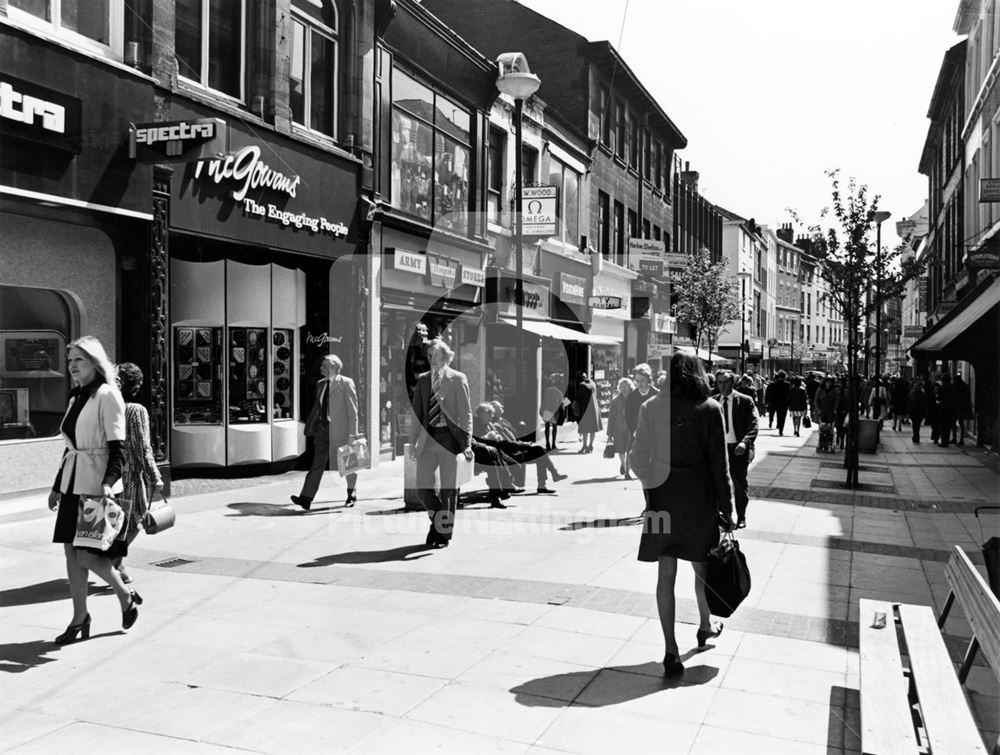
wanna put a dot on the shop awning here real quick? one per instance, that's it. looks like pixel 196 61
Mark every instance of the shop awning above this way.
pixel 551 330
pixel 948 338
pixel 701 354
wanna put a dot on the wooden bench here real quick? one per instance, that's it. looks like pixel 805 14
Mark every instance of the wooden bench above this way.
pixel 920 706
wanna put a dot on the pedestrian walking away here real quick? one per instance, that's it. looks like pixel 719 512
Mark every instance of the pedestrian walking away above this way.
pixel 740 421
pixel 140 475
pixel 679 454
pixel 332 423
pixel 917 406
pixel 442 432
pixel 553 409
pixel 588 413
pixel 777 401
pixel 619 434
pixel 797 404
pixel 93 430
pixel 825 407
pixel 898 397
pixel 962 399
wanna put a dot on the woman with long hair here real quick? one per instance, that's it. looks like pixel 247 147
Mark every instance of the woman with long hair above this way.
pixel 94 432
pixel 140 476
pixel 619 435
pixel 679 453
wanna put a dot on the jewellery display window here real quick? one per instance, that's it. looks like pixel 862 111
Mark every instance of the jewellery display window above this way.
pixel 197 376
pixel 283 401
pixel 248 370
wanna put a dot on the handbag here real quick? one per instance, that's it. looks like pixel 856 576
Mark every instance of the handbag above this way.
pixel 159 518
pixel 609 450
pixel 728 577
pixel 806 422
pixel 99 519
pixel 353 457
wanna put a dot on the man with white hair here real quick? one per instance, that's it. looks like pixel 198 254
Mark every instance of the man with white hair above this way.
pixel 442 431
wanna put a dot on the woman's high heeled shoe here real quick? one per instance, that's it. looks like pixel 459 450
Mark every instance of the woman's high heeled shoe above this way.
pixel 70 635
pixel 130 614
pixel 704 635
pixel 136 598
pixel 672 666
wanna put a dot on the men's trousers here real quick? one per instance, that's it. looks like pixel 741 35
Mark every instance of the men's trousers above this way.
pixel 440 504
pixel 738 466
pixel 321 460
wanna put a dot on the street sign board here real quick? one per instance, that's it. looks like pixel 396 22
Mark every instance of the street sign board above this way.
pixel 913 331
pixel 989 189
pixel 675 261
pixel 646 256
pixel 987 257
pixel 538 210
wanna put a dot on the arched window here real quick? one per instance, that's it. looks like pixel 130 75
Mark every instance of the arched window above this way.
pixel 313 73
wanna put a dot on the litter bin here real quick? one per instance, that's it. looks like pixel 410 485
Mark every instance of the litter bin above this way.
pixel 867 435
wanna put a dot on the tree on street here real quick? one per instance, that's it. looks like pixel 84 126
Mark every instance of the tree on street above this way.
pixel 707 298
pixel 860 278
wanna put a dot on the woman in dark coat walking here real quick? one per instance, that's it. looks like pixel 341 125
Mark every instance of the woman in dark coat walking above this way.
pixel 587 412
pixel 679 454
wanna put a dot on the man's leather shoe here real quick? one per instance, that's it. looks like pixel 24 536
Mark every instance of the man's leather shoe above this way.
pixel 556 477
pixel 741 523
pixel 504 495
pixel 516 491
pixel 305 503
pixel 546 490
pixel 497 505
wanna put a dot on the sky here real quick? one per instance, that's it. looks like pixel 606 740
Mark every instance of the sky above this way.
pixel 771 94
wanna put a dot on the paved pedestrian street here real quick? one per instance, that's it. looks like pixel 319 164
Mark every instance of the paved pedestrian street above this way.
pixel 265 628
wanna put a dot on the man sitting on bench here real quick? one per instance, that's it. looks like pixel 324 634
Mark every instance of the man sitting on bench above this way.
pixel 486 429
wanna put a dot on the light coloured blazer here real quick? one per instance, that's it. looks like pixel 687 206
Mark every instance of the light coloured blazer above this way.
pixel 455 406
pixel 102 419
pixel 343 408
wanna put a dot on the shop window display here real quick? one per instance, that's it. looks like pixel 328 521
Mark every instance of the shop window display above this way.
pixel 198 376
pixel 284 384
pixel 248 371
pixel 35 326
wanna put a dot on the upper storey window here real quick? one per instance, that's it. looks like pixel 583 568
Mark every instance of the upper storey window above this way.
pixel 94 24
pixel 313 76
pixel 209 43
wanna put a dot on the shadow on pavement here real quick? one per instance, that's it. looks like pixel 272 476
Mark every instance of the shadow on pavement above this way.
pixel 402 553
pixel 393 512
pixel 616 478
pixel 610 685
pixel 277 509
pixel 18 657
pixel 629 521
pixel 843 730
pixel 43 592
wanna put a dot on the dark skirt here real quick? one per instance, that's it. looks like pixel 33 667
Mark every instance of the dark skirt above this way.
pixel 65 529
pixel 680 521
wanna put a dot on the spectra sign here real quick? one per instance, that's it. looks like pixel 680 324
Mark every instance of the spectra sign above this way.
pixel 248 171
pixel 175 141
pixel 36 114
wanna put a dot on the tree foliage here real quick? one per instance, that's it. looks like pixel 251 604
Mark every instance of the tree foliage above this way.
pixel 707 297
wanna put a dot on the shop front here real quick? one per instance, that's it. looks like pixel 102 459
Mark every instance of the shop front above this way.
pixel 566 357
pixel 659 348
pixel 426 293
pixel 74 221
pixel 259 259
pixel 611 315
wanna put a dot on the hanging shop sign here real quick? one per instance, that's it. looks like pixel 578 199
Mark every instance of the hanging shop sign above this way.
pixel 178 141
pixel 646 256
pixel 538 210
pixel 663 323
pixel 503 292
pixel 409 262
pixel 473 276
pixel 989 189
pixel 986 257
pixel 441 271
pixel 39 115
pixel 605 302
pixel 572 288
pixel 913 331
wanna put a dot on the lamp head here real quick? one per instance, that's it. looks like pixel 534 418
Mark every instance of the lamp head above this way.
pixel 882 215
pixel 515 77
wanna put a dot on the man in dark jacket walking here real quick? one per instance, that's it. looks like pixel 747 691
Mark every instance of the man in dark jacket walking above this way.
pixel 740 423
pixel 916 407
pixel 777 401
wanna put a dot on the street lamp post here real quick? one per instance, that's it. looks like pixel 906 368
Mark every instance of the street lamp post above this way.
pixel 743 276
pixel 880 217
pixel 516 80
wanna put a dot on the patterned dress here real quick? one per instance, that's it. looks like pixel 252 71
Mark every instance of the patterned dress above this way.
pixel 139 474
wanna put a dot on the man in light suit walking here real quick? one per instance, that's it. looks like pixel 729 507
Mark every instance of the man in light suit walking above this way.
pixel 332 422
pixel 739 414
pixel 442 430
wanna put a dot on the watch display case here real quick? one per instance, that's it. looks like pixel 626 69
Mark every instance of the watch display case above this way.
pixel 197 376
pixel 282 365
pixel 248 375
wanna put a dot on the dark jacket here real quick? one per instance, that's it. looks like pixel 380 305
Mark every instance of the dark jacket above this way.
pixel 918 401
pixel 797 401
pixel 776 395
pixel 632 404
pixel 744 417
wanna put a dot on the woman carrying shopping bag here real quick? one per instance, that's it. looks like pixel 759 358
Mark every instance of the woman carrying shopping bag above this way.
pixel 93 429
pixel 140 477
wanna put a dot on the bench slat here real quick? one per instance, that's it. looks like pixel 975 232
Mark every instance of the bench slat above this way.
pixel 979 605
pixel 947 718
pixel 886 721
